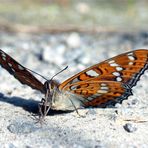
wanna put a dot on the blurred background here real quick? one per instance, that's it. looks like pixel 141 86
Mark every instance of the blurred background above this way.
pixel 77 33
pixel 73 15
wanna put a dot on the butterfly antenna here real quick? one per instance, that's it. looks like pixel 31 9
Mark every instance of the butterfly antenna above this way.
pixel 37 74
pixel 43 76
pixel 59 72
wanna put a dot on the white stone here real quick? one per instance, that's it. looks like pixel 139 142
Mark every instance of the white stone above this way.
pixel 73 40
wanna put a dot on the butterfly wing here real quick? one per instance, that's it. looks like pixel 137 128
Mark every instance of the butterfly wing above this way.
pixel 19 72
pixel 126 68
pixel 100 93
pixel 118 75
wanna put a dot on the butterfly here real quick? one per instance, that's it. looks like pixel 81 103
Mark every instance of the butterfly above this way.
pixel 108 82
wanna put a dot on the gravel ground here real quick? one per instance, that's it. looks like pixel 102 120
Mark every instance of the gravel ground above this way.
pixel 125 125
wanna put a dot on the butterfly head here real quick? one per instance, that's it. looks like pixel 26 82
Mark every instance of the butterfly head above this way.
pixel 50 86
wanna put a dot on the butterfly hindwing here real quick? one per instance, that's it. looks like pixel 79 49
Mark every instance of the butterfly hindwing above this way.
pixel 99 93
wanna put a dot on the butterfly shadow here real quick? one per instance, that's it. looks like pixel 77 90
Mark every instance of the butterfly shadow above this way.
pixel 28 105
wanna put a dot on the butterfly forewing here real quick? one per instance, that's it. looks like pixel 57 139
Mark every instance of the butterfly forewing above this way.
pixel 125 68
pixel 19 72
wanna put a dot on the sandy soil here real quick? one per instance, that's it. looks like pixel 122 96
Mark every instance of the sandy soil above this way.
pixel 125 125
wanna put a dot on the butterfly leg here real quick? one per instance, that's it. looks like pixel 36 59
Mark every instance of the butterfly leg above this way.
pixel 40 106
pixel 44 106
pixel 76 109
pixel 47 103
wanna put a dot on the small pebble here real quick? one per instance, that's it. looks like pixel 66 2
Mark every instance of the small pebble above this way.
pixel 129 127
pixel 53 55
pixel 73 40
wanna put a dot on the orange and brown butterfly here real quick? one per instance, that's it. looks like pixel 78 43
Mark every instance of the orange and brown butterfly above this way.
pixel 110 81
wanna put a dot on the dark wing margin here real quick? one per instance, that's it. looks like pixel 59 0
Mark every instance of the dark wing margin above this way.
pixel 19 72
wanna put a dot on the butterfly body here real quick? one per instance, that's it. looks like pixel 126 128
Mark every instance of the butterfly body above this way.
pixel 107 82
pixel 61 100
pixel 65 100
